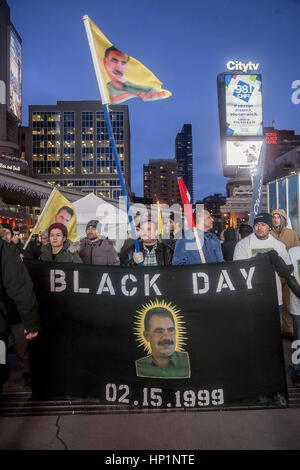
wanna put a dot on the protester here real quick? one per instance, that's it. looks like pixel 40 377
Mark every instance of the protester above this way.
pixel 153 252
pixel 33 249
pixel 186 249
pixel 294 254
pixel 280 231
pixel 7 232
pixel 15 286
pixel 171 232
pixel 290 238
pixel 244 231
pixel 95 250
pixel 16 328
pixel 228 246
pixel 59 249
pixel 261 241
pixel 17 241
pixel 130 241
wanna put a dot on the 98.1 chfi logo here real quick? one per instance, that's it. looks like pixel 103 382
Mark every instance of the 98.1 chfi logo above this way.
pixel 243 91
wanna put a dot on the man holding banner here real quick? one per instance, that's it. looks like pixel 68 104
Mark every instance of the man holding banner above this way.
pixel 261 241
pixel 186 249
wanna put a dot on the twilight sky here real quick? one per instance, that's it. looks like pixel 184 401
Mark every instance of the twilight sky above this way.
pixel 185 44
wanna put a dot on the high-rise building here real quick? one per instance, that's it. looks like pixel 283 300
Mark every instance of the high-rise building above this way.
pixel 184 157
pixel 69 146
pixel 278 142
pixel 10 83
pixel 160 181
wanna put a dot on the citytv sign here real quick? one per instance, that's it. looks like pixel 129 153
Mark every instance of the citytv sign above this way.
pixel 241 66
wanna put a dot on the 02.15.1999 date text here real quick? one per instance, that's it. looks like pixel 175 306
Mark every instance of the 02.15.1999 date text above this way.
pixel 154 397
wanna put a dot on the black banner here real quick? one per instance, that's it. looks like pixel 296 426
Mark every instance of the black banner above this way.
pixel 212 336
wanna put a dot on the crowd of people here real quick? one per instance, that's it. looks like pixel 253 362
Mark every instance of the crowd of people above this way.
pixel 19 315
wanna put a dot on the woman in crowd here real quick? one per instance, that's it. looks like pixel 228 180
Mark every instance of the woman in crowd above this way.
pixel 59 249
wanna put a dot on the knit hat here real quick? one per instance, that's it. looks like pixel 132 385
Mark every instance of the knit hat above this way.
pixel 92 223
pixel 61 227
pixel 265 218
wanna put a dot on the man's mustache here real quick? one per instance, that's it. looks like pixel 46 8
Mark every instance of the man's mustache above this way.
pixel 166 341
pixel 117 72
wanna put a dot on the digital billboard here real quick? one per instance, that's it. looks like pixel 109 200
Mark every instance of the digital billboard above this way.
pixel 15 75
pixel 243 98
pixel 242 153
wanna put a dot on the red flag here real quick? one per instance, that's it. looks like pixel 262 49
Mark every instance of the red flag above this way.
pixel 186 200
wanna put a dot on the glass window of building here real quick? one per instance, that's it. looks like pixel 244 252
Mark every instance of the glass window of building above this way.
pixel 69 143
pixel 282 194
pixel 46 142
pixel 87 142
pixel 272 196
pixel 293 202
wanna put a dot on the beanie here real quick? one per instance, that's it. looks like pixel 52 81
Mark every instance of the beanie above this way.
pixel 265 218
pixel 92 223
pixel 61 227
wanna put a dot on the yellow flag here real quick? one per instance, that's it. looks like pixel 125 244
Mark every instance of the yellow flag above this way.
pixel 160 222
pixel 124 77
pixel 58 209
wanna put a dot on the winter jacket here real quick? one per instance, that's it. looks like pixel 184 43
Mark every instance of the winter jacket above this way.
pixel 66 255
pixel 229 244
pixel 186 251
pixel 99 252
pixel 164 254
pixel 287 236
pixel 16 284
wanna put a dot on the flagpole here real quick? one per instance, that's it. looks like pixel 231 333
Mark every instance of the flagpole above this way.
pixel 41 216
pixel 105 102
pixel 190 219
pixel 257 185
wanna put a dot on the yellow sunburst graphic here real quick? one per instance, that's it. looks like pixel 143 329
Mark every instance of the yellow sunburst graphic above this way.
pixel 178 322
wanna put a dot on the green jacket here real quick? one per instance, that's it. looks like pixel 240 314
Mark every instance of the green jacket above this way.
pixel 63 256
pixel 178 367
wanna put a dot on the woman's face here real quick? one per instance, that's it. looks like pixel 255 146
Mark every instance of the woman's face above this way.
pixel 56 238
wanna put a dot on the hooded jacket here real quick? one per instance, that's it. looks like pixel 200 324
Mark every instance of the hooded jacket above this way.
pixel 287 236
pixel 66 255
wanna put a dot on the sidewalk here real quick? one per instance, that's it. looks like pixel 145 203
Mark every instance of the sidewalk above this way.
pixel 171 430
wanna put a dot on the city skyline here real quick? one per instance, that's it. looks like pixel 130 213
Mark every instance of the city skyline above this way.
pixel 185 48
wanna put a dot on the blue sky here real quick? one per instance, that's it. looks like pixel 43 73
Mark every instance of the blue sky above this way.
pixel 185 44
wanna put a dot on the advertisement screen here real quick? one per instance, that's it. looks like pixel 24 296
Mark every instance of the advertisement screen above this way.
pixel 15 85
pixel 243 153
pixel 243 105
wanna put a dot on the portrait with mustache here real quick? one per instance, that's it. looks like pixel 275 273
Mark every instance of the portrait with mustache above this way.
pixel 164 361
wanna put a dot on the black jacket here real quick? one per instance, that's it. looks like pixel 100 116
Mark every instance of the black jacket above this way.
pixel 16 284
pixel 164 254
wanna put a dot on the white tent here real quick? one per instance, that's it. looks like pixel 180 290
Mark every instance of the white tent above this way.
pixel 114 221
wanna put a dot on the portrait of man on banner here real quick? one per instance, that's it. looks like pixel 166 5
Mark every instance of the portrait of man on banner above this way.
pixel 59 210
pixel 160 330
pixel 124 77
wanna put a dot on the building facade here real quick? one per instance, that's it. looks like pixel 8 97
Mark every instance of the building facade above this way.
pixel 68 145
pixel 184 157
pixel 278 142
pixel 284 186
pixel 237 208
pixel 160 181
pixel 213 204
pixel 10 83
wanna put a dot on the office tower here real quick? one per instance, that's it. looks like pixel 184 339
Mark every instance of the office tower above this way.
pixel 184 157
pixel 69 146
pixel 10 83
pixel 160 181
